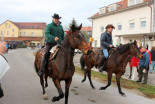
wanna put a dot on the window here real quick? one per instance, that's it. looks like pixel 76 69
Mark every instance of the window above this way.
pixel 1 32
pixel 143 23
pixel 95 43
pixel 7 32
pixel 102 28
pixel 24 33
pixel 132 24
pixel 133 2
pixel 9 26
pixel 119 27
pixel 139 1
pixel 102 10
pixel 20 33
pixel 12 35
pixel 89 32
pixel 5 25
pixel 111 8
pixel 12 30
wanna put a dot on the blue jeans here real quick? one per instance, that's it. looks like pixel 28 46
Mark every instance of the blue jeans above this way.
pixel 105 52
pixel 152 64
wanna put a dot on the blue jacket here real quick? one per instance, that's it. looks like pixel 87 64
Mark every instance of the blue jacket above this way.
pixel 105 40
pixel 144 62
pixel 7 45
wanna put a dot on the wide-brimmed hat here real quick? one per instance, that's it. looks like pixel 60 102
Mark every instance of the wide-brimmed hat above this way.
pixel 109 26
pixel 56 16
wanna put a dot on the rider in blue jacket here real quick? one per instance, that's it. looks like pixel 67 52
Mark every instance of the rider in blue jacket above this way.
pixel 106 44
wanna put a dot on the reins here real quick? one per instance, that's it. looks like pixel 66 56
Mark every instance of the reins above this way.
pixel 59 45
pixel 68 50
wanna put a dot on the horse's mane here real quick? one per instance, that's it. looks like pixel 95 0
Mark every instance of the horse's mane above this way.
pixel 65 42
pixel 153 48
pixel 123 48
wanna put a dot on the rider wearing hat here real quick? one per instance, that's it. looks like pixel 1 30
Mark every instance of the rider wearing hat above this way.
pixel 54 33
pixel 106 44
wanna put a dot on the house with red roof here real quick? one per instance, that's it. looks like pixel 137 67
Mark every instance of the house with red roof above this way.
pixel 29 33
pixel 88 30
pixel 133 20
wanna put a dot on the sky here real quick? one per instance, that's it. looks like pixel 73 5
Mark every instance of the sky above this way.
pixel 42 10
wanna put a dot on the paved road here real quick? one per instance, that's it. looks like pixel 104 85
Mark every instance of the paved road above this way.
pixel 21 86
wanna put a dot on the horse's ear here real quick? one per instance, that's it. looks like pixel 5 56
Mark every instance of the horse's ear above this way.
pixel 135 42
pixel 73 28
pixel 80 26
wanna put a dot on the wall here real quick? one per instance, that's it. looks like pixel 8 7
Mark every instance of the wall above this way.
pixel 9 28
pixel 122 18
pixel 28 32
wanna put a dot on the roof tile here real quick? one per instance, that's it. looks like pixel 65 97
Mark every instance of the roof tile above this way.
pixel 30 25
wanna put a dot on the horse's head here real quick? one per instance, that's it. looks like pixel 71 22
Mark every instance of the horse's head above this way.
pixel 77 40
pixel 134 50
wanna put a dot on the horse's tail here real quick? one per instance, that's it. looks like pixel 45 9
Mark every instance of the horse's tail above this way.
pixel 35 67
pixel 82 62
pixel 35 64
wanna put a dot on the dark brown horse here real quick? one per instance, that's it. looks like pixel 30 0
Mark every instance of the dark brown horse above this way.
pixel 91 60
pixel 62 67
pixel 116 63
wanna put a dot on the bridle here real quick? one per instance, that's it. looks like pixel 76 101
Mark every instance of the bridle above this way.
pixel 131 45
pixel 72 36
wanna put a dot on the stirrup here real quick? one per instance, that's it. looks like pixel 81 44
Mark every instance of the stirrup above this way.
pixel 101 69
pixel 40 73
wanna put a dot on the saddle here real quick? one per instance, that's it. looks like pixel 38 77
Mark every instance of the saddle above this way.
pixel 53 52
pixel 98 52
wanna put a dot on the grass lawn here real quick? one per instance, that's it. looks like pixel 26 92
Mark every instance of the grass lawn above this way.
pixel 147 90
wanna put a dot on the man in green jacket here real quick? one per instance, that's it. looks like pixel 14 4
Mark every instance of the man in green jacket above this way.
pixel 54 33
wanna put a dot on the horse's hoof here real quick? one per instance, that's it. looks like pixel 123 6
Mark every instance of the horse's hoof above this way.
pixel 54 99
pixel 102 88
pixel 45 97
pixel 123 95
pixel 46 86
pixel 93 88
pixel 82 81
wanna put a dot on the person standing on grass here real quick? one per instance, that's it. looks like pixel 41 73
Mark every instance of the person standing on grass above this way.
pixel 152 60
pixel 143 66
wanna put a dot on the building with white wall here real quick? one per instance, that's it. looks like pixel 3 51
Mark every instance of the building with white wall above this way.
pixel 133 20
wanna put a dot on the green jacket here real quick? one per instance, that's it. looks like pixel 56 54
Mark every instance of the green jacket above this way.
pixel 53 30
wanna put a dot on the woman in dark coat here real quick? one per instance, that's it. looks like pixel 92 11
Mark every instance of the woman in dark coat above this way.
pixel 152 59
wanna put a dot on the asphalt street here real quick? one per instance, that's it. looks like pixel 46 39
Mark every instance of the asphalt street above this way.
pixel 21 85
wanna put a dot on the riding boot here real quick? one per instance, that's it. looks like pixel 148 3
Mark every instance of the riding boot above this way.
pixel 104 66
pixel 43 64
pixel 1 91
pixel 101 65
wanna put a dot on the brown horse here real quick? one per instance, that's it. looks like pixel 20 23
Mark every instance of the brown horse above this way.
pixel 116 63
pixel 91 60
pixel 62 67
